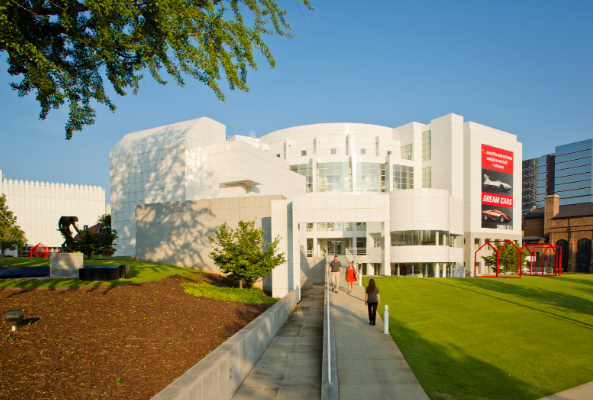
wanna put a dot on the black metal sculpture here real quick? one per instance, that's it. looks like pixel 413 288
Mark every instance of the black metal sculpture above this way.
pixel 64 224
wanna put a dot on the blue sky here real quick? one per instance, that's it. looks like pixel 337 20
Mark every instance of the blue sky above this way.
pixel 522 67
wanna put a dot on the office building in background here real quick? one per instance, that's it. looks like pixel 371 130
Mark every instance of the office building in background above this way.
pixel 568 173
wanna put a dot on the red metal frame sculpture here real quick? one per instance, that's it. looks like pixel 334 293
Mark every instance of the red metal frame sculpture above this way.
pixel 39 250
pixel 557 261
pixel 506 243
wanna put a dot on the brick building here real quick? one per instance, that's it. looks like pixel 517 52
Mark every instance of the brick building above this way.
pixel 570 227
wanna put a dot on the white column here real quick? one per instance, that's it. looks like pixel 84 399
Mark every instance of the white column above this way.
pixel 437 270
pixel 397 268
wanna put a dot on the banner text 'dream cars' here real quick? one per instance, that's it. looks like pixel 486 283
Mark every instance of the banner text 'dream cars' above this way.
pixel 497 159
pixel 497 200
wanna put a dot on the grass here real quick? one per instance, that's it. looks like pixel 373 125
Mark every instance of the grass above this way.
pixel 493 338
pixel 219 292
pixel 141 272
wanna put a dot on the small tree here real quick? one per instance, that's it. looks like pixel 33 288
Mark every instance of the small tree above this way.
pixel 91 242
pixel 11 235
pixel 240 253
pixel 507 259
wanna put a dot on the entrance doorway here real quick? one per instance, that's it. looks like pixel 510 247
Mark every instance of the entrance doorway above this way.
pixel 335 247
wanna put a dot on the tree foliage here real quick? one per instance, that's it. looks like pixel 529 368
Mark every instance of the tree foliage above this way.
pixel 240 253
pixel 63 48
pixel 507 259
pixel 105 222
pixel 11 235
pixel 91 242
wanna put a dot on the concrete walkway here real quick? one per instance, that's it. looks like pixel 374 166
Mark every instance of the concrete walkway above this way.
pixel 583 392
pixel 370 365
pixel 291 366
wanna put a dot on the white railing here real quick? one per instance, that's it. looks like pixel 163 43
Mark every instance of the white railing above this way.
pixel 355 251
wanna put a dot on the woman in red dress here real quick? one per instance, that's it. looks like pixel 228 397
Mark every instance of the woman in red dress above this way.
pixel 350 276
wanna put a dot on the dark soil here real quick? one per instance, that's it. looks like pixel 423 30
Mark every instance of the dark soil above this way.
pixel 112 342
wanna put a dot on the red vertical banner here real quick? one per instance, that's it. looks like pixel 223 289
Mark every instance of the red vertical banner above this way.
pixel 497 188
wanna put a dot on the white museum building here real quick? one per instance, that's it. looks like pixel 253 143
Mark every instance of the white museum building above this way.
pixel 39 206
pixel 416 200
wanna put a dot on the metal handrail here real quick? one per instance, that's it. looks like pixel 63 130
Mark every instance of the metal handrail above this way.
pixel 329 367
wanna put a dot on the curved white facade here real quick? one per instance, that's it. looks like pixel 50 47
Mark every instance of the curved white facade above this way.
pixel 416 188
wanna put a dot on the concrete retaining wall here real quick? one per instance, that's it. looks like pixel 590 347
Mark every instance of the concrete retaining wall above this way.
pixel 218 375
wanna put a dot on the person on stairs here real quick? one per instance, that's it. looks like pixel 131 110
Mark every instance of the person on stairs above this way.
pixel 335 272
pixel 372 300
pixel 350 276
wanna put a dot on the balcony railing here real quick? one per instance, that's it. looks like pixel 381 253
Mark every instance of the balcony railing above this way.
pixel 356 251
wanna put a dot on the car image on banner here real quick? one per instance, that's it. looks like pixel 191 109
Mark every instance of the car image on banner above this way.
pixel 497 188
pixel 497 185
pixel 496 215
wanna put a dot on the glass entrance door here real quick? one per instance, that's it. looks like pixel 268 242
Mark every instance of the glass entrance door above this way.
pixel 335 247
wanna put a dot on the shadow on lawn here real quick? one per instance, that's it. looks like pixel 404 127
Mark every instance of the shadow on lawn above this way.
pixel 577 279
pixel 564 301
pixel 448 372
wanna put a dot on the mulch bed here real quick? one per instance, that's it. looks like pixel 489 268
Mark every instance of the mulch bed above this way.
pixel 82 342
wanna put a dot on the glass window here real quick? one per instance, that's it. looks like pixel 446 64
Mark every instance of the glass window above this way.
pixel 583 255
pixel 426 177
pixel 307 171
pixel 343 226
pixel 407 152
pixel 333 151
pixel 403 177
pixel 334 177
pixel 443 238
pixel 361 226
pixel 278 155
pixel 564 245
pixel 315 146
pixel 332 227
pixel 388 152
pixel 415 238
pixel 303 152
pixel 376 239
pixel 426 146
pixel 363 151
pixel 309 247
pixel 377 149
pixel 456 241
pixel 370 177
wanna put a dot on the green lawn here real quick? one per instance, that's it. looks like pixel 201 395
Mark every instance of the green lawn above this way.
pixel 218 292
pixel 493 338
pixel 141 272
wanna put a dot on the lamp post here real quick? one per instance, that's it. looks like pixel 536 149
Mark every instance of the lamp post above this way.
pixel 14 317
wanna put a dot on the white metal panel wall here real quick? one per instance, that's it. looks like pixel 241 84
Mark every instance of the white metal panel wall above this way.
pixel 38 207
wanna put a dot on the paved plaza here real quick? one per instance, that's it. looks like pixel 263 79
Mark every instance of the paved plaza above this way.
pixel 370 365
pixel 583 392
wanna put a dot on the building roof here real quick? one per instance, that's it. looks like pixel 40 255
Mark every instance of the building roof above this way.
pixel 536 239
pixel 575 210
pixel 535 213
